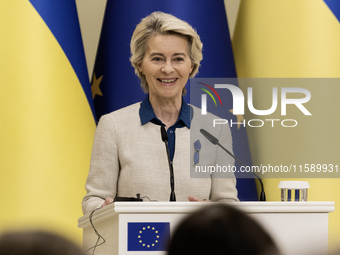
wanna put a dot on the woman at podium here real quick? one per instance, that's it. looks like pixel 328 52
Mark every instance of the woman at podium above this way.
pixel 131 154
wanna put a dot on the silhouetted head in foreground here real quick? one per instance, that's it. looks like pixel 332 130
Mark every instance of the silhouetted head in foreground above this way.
pixel 221 229
pixel 36 243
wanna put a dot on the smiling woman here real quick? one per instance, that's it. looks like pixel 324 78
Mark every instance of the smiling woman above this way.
pixel 159 23
pixel 127 157
pixel 166 67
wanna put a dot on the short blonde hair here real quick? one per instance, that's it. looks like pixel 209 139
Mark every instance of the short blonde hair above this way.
pixel 162 23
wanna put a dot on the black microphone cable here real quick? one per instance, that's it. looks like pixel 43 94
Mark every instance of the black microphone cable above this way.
pixel 97 234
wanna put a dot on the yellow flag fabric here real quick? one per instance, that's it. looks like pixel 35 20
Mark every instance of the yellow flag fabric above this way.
pixel 46 127
pixel 294 39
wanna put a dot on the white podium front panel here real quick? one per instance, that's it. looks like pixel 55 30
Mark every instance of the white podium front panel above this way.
pixel 297 227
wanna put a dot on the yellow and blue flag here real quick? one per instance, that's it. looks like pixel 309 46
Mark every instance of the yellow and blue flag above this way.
pixel 295 39
pixel 47 119
pixel 115 84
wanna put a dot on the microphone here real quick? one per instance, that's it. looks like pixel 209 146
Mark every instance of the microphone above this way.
pixel 172 179
pixel 128 199
pixel 215 141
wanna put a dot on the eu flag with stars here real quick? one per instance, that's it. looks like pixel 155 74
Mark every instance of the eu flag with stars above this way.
pixel 148 236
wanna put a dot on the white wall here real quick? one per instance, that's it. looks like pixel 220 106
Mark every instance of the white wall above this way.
pixel 91 13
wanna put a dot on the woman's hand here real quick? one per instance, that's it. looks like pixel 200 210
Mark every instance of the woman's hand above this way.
pixel 107 201
pixel 194 199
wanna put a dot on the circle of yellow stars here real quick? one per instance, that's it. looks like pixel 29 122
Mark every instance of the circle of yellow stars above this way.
pixel 146 229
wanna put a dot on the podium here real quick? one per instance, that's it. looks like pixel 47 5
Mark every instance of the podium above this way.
pixel 297 227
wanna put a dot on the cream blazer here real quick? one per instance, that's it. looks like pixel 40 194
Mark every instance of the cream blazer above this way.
pixel 128 158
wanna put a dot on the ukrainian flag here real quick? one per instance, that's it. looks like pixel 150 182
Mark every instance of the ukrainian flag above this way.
pixel 295 39
pixel 46 117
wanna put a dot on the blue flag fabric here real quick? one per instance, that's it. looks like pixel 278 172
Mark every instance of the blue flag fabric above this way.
pixel 334 5
pixel 148 236
pixel 115 84
pixel 58 15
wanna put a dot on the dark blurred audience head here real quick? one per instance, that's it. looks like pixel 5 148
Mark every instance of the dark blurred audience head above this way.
pixel 221 229
pixel 36 243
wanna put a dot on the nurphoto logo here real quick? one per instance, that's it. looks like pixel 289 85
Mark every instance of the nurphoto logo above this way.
pixel 239 101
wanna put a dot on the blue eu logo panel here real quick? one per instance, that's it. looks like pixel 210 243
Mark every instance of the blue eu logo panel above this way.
pixel 148 236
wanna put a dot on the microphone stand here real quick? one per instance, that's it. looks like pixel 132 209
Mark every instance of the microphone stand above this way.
pixel 215 141
pixel 262 194
pixel 172 179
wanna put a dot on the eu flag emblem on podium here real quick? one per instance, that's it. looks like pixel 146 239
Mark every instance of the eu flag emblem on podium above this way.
pixel 148 236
